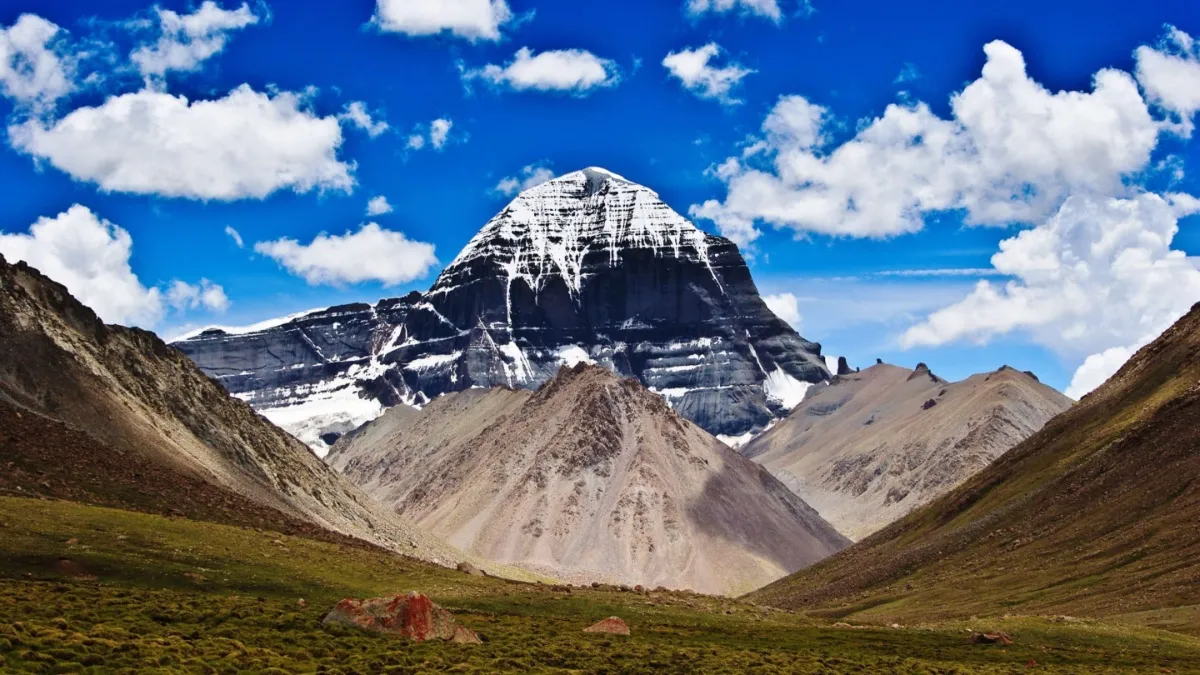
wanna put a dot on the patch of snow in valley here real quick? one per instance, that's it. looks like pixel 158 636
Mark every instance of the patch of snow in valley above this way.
pixel 572 355
pixel 338 411
pixel 785 389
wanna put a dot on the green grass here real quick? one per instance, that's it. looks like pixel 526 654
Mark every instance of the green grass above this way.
pixel 139 593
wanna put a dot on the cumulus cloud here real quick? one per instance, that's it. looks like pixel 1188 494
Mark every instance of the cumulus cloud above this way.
pixel 31 70
pixel 529 176
pixel 765 8
pixel 370 254
pixel 89 256
pixel 1097 368
pixel 693 68
pixel 1098 278
pixel 1011 152
pixel 439 131
pixel 785 306
pixel 356 115
pixel 436 134
pixel 235 236
pixel 245 145
pixel 378 206
pixel 1170 76
pixel 187 40
pixel 1094 275
pixel 573 71
pixel 469 19
pixel 205 295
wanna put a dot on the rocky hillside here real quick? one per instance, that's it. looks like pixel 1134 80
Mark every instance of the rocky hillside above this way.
pixel 1093 515
pixel 876 444
pixel 112 415
pixel 591 477
pixel 589 267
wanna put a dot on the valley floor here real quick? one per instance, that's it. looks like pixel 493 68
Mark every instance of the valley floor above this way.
pixel 91 589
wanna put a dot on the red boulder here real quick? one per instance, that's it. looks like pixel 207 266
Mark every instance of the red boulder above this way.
pixel 612 625
pixel 414 616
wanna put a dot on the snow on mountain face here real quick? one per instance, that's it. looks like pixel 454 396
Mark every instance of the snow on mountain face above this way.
pixel 589 267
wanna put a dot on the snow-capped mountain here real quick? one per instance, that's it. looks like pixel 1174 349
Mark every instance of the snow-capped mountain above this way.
pixel 588 267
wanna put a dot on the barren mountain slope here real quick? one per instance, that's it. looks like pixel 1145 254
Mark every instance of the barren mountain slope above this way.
pixel 66 375
pixel 876 444
pixel 1096 514
pixel 592 477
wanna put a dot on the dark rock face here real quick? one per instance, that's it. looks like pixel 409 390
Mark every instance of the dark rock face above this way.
pixel 588 267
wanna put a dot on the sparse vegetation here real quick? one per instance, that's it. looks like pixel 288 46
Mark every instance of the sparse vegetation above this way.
pixel 90 589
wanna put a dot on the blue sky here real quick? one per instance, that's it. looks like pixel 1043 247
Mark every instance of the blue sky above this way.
pixel 847 61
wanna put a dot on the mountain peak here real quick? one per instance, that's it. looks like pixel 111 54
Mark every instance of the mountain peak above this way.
pixel 585 182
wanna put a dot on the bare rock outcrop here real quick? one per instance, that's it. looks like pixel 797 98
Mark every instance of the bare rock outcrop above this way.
pixel 414 616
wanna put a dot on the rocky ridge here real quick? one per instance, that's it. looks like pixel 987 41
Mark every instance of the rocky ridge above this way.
pixel 160 425
pixel 873 445
pixel 590 478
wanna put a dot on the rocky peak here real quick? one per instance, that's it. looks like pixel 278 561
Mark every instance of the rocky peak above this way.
pixel 586 268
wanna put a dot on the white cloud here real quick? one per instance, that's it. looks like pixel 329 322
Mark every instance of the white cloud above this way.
pixel 1011 153
pixel 357 115
pixel 31 71
pixel 245 145
pixel 765 8
pixel 378 206
pixel 439 131
pixel 187 40
pixel 370 254
pixel 529 176
pixel 90 257
pixel 1097 280
pixel 692 68
pixel 235 235
pixel 436 135
pixel 942 272
pixel 469 19
pixel 785 306
pixel 205 295
pixel 1170 76
pixel 574 71
pixel 1097 368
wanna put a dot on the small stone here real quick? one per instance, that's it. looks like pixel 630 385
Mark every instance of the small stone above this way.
pixel 991 639
pixel 302 602
pixel 469 569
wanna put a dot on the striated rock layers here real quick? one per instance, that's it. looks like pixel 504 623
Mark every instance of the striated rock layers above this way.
pixel 876 444
pixel 590 478
pixel 589 267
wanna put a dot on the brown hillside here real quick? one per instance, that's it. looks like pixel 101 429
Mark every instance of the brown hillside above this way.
pixel 1097 514
pixel 178 441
